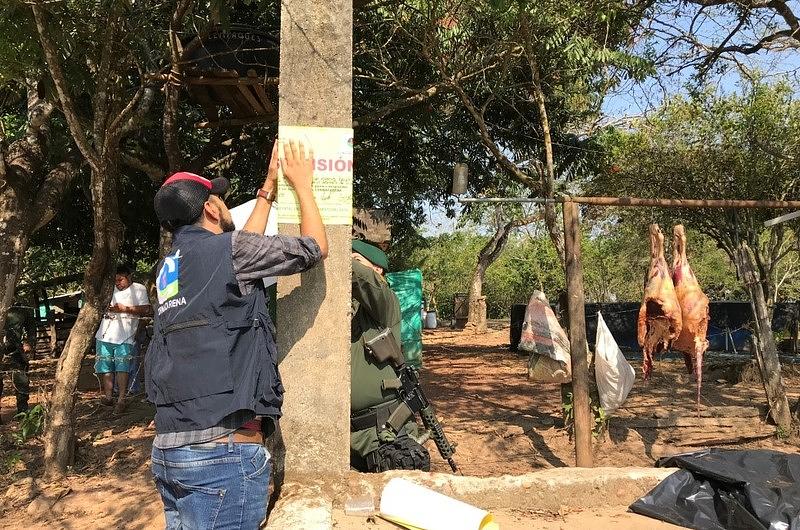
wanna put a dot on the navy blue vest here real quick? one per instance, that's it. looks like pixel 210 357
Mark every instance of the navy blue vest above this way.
pixel 213 349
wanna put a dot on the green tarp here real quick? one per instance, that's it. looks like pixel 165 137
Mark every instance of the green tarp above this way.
pixel 407 285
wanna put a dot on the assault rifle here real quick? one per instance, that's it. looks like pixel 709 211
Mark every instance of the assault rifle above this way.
pixel 383 347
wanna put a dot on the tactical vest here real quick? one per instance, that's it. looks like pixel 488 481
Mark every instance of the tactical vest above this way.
pixel 213 349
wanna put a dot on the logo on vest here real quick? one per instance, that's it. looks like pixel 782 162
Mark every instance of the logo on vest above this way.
pixel 167 281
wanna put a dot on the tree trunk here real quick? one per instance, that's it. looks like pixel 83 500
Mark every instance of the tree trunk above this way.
pixel 20 170
pixel 13 245
pixel 172 89
pixel 22 214
pixel 764 342
pixel 796 416
pixel 59 439
pixel 476 318
pixel 548 174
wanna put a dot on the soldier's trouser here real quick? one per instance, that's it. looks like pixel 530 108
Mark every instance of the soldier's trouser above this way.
pixel 18 368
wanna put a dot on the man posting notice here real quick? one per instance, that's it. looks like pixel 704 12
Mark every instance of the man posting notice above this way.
pixel 115 338
pixel 212 368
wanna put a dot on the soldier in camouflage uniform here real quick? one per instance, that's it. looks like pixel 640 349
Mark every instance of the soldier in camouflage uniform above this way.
pixel 18 344
pixel 375 308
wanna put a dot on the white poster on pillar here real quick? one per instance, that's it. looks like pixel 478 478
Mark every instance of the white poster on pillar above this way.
pixel 333 174
pixel 241 214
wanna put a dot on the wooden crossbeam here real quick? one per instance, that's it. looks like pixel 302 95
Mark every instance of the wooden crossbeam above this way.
pixel 262 94
pixel 221 78
pixel 231 81
pixel 258 108
pixel 234 122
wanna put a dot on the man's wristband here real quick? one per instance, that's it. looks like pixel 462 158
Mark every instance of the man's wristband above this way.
pixel 267 195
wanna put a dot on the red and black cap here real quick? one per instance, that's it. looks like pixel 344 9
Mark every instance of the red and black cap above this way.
pixel 180 199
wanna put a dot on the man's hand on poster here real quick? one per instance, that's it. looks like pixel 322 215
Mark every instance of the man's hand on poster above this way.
pixel 297 165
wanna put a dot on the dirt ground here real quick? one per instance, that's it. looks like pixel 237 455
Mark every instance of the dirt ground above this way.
pixel 613 518
pixel 505 424
pixel 501 422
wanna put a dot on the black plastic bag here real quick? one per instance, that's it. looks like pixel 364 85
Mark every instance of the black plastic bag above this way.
pixel 720 489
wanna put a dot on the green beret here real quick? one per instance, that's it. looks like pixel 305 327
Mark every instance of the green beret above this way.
pixel 375 255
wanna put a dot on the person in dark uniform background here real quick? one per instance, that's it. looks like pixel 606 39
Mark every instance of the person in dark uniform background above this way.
pixel 18 345
pixel 375 308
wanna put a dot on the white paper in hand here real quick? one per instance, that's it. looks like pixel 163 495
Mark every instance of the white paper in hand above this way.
pixel 241 214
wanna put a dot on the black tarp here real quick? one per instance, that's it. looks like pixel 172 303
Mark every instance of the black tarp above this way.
pixel 728 320
pixel 721 489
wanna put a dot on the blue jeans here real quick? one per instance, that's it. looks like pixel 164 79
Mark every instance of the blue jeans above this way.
pixel 213 485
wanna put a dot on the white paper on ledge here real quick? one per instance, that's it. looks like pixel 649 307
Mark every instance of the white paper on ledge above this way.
pixel 415 506
pixel 241 214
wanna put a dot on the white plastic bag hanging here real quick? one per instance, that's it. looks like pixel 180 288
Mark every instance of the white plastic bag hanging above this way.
pixel 613 373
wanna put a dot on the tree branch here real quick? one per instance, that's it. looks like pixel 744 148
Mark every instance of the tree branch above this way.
pixel 103 79
pixel 172 88
pixel 135 118
pixel 486 138
pixel 746 8
pixel 525 220
pixel 59 80
pixel 709 60
pixel 51 193
pixel 154 171
pixel 421 96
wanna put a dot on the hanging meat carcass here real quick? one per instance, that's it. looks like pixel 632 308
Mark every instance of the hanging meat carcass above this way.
pixel 660 314
pixel 692 341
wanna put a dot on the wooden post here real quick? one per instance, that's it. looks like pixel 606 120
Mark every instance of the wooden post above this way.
pixel 764 341
pixel 577 337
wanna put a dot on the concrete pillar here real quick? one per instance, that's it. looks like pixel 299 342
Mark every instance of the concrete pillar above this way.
pixel 314 308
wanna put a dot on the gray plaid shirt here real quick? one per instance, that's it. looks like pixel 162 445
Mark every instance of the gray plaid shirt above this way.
pixel 255 257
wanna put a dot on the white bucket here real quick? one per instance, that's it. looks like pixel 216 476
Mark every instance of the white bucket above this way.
pixel 414 506
pixel 430 320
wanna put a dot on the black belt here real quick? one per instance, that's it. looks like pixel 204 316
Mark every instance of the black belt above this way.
pixel 372 417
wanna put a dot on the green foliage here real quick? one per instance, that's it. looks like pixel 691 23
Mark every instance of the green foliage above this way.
pixel 598 413
pixel 446 263
pixel 568 408
pixel 12 124
pixel 493 52
pixel 600 419
pixel 9 461
pixel 31 424
pixel 20 55
pixel 527 264
pixel 721 147
pixel 615 258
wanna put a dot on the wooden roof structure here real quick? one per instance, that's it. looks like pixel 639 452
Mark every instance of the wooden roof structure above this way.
pixel 232 74
pixel 248 98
